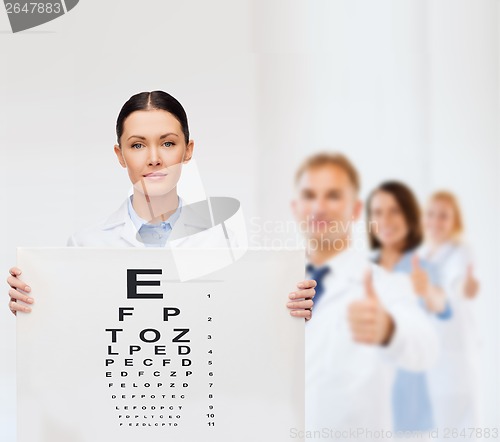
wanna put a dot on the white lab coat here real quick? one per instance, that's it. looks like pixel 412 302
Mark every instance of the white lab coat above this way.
pixel 118 230
pixel 348 385
pixel 215 230
pixel 453 382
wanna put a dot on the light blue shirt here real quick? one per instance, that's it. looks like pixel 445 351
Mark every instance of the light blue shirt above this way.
pixel 411 404
pixel 153 235
pixel 412 407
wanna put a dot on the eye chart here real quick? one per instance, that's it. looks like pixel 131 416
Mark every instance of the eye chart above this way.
pixel 117 347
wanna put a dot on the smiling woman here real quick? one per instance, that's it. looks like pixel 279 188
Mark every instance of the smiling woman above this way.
pixel 394 212
pixel 153 144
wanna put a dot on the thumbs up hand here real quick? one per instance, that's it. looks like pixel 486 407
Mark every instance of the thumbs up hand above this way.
pixel 419 278
pixel 370 323
pixel 434 297
pixel 471 284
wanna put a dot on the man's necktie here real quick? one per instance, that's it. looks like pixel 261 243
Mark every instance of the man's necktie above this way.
pixel 318 274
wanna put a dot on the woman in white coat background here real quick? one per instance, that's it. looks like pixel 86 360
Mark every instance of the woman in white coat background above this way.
pixel 153 144
pixel 453 382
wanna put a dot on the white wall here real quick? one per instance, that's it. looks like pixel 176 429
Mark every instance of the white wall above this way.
pixel 464 151
pixel 407 88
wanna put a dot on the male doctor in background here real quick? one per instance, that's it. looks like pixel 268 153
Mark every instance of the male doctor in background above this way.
pixel 366 322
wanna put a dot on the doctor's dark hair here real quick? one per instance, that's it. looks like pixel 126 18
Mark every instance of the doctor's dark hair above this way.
pixel 156 100
pixel 410 208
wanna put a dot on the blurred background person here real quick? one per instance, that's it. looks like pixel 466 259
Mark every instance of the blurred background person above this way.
pixel 365 325
pixel 395 232
pixel 453 382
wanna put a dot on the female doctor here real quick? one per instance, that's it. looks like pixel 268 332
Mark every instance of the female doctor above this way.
pixel 395 232
pixel 152 144
pixel 453 381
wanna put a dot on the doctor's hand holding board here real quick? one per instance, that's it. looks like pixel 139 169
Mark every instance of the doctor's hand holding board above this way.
pixel 153 143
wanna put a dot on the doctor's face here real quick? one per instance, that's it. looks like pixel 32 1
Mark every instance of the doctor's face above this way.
pixel 387 220
pixel 326 203
pixel 439 221
pixel 153 149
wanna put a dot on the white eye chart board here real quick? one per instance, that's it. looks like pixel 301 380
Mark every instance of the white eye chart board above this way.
pixel 117 348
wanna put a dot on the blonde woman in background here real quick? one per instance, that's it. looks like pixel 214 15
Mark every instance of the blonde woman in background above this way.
pixel 453 382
